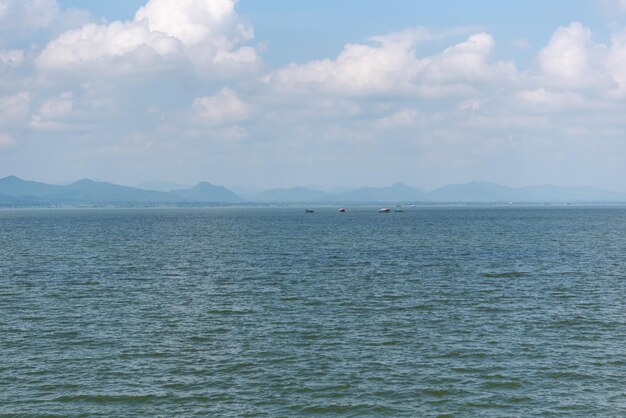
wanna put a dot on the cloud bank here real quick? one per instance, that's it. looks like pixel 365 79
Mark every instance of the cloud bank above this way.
pixel 164 33
pixel 181 92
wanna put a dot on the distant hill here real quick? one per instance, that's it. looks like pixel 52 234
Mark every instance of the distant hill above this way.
pixel 100 192
pixel 477 192
pixel 16 187
pixel 472 192
pixel 207 192
pixel 17 192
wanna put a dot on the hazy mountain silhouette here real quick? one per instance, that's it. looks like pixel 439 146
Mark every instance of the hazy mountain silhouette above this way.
pixel 82 191
pixel 207 192
pixel 476 191
pixel 95 191
pixel 15 191
pixel 16 187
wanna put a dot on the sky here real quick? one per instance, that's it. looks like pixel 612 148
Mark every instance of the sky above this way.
pixel 324 93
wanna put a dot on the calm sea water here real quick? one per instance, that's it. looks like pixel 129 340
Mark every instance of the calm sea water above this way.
pixel 273 312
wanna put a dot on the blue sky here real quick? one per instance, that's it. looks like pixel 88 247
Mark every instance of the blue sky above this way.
pixel 269 93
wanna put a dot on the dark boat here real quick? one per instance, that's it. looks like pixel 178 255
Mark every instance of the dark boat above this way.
pixel 309 211
pixel 342 210
pixel 384 210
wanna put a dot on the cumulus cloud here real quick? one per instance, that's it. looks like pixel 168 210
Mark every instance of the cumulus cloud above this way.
pixel 221 108
pixel 467 61
pixel 389 65
pixel 416 102
pixel 206 33
pixel 196 21
pixel 573 61
pixel 386 65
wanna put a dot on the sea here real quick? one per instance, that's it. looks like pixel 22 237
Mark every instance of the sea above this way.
pixel 470 311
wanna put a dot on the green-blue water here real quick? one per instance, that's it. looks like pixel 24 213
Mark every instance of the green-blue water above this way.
pixel 273 312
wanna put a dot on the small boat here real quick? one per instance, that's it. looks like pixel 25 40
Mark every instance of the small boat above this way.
pixel 342 210
pixel 309 211
pixel 398 209
pixel 384 210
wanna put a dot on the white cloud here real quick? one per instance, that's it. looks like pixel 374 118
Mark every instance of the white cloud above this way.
pixel 389 66
pixel 467 62
pixel 417 103
pixel 6 141
pixel 222 108
pixel 196 21
pixel 118 47
pixel 207 33
pixel 572 60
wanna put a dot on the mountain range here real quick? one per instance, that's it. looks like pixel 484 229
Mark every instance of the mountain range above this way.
pixel 17 192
